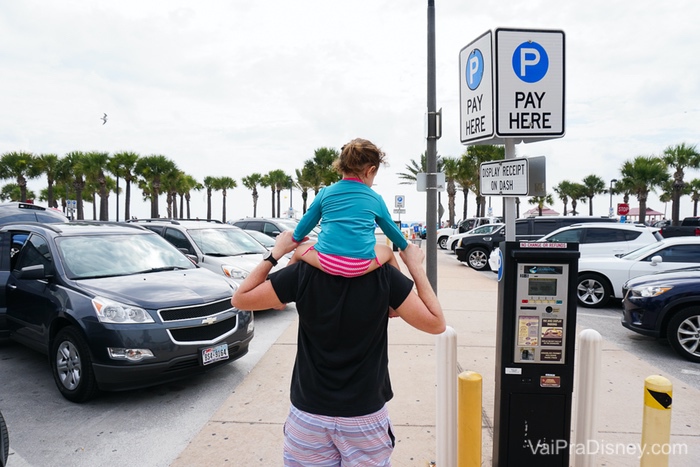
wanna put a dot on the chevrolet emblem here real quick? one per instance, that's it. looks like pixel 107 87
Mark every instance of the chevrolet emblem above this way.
pixel 209 320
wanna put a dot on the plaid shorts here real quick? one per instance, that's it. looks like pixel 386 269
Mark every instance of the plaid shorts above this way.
pixel 319 440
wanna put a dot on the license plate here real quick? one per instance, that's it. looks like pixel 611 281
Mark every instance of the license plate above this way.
pixel 214 354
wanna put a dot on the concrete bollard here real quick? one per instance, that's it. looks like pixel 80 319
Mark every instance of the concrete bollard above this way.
pixel 656 421
pixel 469 424
pixel 446 418
pixel 587 384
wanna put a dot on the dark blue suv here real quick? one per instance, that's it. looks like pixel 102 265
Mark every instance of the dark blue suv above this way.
pixel 114 306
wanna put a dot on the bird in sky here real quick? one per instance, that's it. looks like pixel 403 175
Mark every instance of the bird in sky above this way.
pixel 104 119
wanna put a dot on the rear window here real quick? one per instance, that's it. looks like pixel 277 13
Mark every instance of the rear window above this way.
pixel 596 235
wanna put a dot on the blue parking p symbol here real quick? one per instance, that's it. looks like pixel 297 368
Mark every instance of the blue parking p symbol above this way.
pixel 530 62
pixel 475 69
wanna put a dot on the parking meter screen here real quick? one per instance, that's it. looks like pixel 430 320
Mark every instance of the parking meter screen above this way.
pixel 540 287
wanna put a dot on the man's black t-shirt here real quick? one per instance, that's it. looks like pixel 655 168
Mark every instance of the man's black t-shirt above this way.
pixel 341 368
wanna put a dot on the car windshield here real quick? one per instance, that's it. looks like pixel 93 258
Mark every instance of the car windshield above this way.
pixel 265 240
pixel 91 256
pixel 225 242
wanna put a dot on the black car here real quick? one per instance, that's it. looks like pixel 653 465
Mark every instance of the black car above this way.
pixel 114 306
pixel 666 305
pixel 28 212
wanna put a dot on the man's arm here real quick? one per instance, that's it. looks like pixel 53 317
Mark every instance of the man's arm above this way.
pixel 256 292
pixel 421 310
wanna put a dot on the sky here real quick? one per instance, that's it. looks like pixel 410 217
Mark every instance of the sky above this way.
pixel 236 87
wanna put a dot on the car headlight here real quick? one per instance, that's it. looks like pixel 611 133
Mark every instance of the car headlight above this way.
pixel 233 272
pixel 649 291
pixel 110 311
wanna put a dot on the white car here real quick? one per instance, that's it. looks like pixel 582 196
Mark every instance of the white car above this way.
pixel 453 240
pixel 604 238
pixel 600 278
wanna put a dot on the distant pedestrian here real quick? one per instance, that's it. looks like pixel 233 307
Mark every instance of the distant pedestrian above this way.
pixel 347 211
pixel 340 381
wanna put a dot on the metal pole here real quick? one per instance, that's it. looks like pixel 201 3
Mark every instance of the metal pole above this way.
pixel 431 156
pixel 610 212
pixel 118 198
pixel 509 200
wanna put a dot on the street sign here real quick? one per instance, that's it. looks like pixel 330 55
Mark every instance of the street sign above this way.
pixel 513 177
pixel 623 209
pixel 399 201
pixel 476 90
pixel 529 84
pixel 399 211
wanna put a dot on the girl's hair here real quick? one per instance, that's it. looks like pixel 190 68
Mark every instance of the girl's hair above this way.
pixel 358 154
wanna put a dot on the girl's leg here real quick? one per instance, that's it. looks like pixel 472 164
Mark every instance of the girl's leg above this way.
pixel 306 253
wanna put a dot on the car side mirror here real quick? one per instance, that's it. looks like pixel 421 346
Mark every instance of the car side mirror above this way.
pixel 656 260
pixel 31 272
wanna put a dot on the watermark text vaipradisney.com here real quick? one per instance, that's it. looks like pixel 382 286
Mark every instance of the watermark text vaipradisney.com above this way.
pixel 590 447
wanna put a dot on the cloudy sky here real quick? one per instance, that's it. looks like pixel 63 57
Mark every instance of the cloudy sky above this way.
pixel 236 87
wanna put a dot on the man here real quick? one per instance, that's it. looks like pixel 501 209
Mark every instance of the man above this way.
pixel 340 382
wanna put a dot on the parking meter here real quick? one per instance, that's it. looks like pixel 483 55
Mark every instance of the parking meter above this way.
pixel 536 333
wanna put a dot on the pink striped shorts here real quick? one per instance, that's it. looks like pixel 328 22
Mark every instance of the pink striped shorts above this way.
pixel 320 440
pixel 342 265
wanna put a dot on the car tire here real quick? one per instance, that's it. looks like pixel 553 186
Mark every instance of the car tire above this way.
pixel 453 247
pixel 4 442
pixel 442 243
pixel 593 290
pixel 683 333
pixel 478 258
pixel 72 366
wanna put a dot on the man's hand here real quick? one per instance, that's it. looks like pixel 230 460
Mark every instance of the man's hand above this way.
pixel 412 255
pixel 284 243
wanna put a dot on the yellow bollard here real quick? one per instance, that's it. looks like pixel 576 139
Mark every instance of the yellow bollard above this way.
pixel 469 424
pixel 656 421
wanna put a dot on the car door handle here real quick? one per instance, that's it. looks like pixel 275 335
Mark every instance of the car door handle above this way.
pixel 12 286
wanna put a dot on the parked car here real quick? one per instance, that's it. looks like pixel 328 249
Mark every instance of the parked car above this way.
pixel 269 226
pixel 464 226
pixel 666 305
pixel 475 250
pixel 600 278
pixel 604 239
pixel 115 306
pixel 265 240
pixel 221 248
pixel 28 212
pixel 690 226
pixel 486 229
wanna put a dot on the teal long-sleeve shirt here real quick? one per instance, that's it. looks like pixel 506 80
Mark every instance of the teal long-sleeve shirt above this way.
pixel 347 211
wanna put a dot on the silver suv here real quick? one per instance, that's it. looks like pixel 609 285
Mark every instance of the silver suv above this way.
pixel 222 248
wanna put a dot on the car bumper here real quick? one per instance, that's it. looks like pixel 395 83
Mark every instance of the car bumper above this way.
pixel 641 317
pixel 124 377
pixel 461 253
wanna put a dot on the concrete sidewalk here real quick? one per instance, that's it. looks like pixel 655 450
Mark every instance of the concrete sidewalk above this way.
pixel 247 429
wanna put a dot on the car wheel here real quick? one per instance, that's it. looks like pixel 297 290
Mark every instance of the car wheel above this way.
pixel 478 259
pixel 453 247
pixel 4 442
pixel 72 366
pixel 592 291
pixel 683 333
pixel 442 243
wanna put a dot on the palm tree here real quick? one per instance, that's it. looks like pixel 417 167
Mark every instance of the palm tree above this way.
pixel 223 184
pixel 304 183
pixel 451 169
pixel 325 172
pixel 122 165
pixel 593 185
pixel 695 194
pixel 577 193
pixel 209 184
pixel 12 192
pixel 151 170
pixel 95 165
pixel 48 165
pixel 74 164
pixel 679 157
pixel 19 166
pixel 187 183
pixel 267 182
pixel 640 176
pixel 278 180
pixel 466 176
pixel 251 182
pixel 564 191
pixel 540 201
